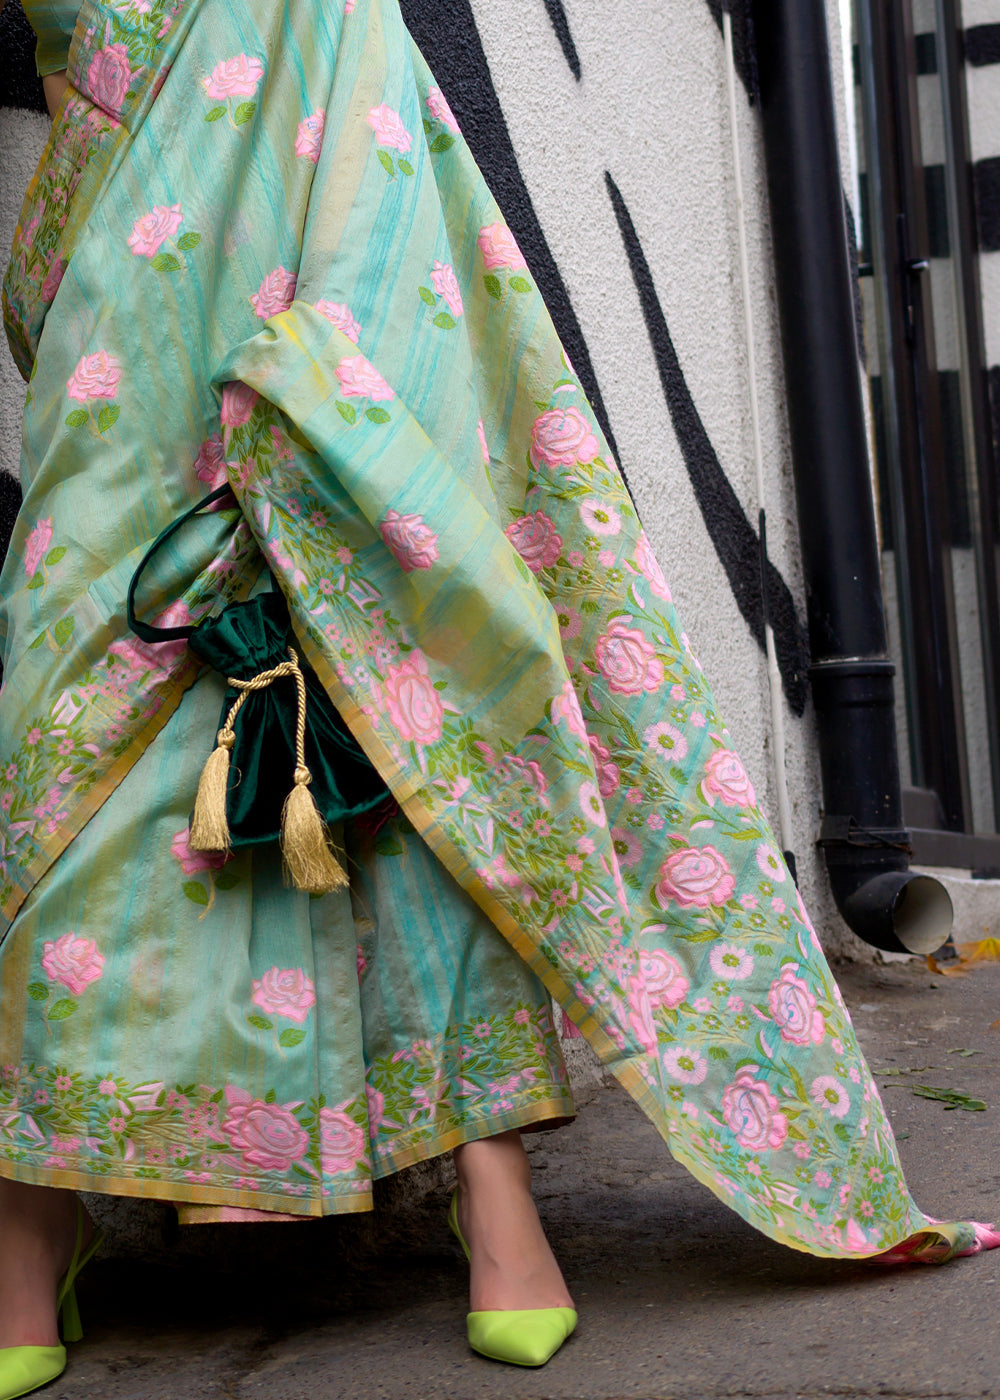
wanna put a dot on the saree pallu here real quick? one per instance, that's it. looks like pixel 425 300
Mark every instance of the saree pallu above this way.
pixel 259 251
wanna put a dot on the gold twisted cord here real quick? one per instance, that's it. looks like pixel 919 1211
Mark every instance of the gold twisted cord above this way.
pixel 226 737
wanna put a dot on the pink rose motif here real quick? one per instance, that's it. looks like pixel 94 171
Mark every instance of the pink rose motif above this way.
pixel 191 862
pixel 412 543
pixel 36 546
pixel 53 278
pixel 340 316
pixel 725 777
pixel 342 1144
pixel 695 877
pixel 665 983
pixel 210 463
pixel 608 773
pixel 73 962
pixel 275 294
pixel 95 377
pixel 793 1007
pixel 561 437
pixel 238 401
pixel 267 1134
pixel 309 140
pixel 497 245
pixel 641 1014
pixel 566 710
pixel 389 129
pixel 108 77
pixel 535 539
pixel 414 706
pixel 234 77
pixel 148 233
pixel 437 105
pixel 627 661
pixel 446 285
pixel 751 1111
pixel 284 991
pixel 771 866
pixel 360 379
pixel 650 568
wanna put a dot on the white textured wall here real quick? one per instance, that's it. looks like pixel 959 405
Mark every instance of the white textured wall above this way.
pixel 651 108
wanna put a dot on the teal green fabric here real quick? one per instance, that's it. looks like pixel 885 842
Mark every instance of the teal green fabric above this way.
pixel 258 251
pixel 53 22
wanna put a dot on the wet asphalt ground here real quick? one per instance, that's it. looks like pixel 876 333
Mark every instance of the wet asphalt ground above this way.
pixel 677 1297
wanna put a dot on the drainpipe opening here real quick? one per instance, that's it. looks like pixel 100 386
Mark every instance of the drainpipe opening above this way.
pixel 897 911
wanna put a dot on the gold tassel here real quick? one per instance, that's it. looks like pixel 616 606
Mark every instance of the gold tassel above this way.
pixel 309 862
pixel 209 827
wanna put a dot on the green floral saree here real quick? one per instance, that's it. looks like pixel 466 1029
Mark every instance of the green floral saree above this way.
pixel 258 250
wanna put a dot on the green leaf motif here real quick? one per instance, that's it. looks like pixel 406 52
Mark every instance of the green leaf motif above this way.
pixel 385 160
pixel 78 418
pixel 261 1023
pixel 188 240
pixel 54 555
pixel 444 321
pixel 290 1038
pixel 62 1009
pixel 346 412
pixel 215 114
pixel 63 630
pixel 377 415
pixel 195 891
pixel 244 112
pixel 270 1096
pixel 444 142
pixel 519 284
pixel 38 991
pixel 37 582
pixel 108 417
pixel 406 167
pixel 427 295
pixel 494 286
pixel 165 262
pixel 39 639
pixel 226 880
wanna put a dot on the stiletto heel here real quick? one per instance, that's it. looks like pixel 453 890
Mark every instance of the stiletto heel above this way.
pixel 521 1337
pixel 24 1369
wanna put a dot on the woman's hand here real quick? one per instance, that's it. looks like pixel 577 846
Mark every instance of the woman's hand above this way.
pixel 55 84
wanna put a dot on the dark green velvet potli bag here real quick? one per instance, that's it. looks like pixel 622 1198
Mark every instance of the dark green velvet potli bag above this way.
pixel 284 766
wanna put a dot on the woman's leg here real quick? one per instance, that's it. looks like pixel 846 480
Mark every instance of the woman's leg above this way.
pixel 512 1265
pixel 37 1236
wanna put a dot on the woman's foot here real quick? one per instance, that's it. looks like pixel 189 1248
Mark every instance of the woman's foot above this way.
pixel 511 1266
pixel 37 1237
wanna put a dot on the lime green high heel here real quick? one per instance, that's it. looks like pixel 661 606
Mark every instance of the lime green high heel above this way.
pixel 522 1337
pixel 23 1369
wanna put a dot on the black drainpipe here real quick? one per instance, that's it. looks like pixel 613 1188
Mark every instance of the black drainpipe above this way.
pixel 866 846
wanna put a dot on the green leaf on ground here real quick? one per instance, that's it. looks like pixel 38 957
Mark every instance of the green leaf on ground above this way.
pixel 951 1098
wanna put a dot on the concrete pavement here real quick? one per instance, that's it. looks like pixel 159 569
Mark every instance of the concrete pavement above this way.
pixel 677 1297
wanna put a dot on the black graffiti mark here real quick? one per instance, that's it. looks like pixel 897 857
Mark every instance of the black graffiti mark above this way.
pixel 20 86
pixel 446 33
pixel 557 14
pixel 733 537
pixel 744 45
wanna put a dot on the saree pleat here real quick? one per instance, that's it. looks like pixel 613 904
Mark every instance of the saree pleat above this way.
pixel 319 302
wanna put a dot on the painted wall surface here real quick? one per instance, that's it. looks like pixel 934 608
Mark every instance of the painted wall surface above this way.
pixel 613 162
